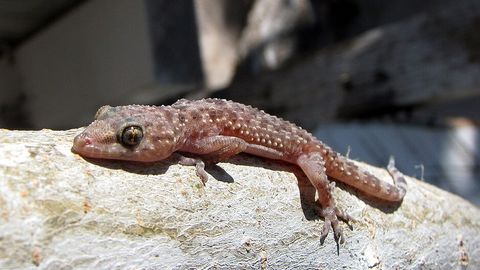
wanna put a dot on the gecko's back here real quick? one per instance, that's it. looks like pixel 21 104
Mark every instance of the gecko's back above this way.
pixel 217 116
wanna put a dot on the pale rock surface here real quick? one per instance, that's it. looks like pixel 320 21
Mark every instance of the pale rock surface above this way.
pixel 59 211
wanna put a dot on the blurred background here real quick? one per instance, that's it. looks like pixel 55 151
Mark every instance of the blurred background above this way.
pixel 371 78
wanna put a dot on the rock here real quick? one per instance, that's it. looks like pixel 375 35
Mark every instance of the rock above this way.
pixel 60 211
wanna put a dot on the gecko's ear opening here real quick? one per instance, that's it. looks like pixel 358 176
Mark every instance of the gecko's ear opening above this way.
pixel 102 112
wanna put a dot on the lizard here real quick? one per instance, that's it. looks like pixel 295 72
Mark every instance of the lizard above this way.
pixel 216 129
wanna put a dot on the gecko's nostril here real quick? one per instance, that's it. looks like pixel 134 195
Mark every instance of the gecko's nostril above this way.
pixel 87 141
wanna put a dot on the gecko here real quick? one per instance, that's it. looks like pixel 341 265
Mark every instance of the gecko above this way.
pixel 214 130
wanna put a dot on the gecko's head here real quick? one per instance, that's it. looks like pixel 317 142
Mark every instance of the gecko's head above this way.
pixel 126 133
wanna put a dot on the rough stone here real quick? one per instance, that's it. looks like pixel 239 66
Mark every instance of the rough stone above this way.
pixel 59 211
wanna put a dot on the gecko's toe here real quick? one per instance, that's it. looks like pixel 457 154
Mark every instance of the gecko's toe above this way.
pixel 202 175
pixel 325 229
pixel 337 232
pixel 200 171
pixel 344 216
pixel 391 164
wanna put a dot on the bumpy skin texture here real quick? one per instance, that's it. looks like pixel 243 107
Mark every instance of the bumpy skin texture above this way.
pixel 216 129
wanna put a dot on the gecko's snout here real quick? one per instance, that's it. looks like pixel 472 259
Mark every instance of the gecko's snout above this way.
pixel 81 141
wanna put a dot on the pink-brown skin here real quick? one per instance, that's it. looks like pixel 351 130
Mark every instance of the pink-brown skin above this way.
pixel 217 129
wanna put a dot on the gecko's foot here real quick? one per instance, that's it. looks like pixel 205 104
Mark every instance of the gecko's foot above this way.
pixel 199 167
pixel 331 222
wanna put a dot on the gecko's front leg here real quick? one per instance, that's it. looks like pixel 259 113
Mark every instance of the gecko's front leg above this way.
pixel 212 149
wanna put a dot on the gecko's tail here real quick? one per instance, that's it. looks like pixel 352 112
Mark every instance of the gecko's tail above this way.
pixel 344 170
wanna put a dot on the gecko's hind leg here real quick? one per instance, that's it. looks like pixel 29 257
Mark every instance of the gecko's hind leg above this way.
pixel 313 166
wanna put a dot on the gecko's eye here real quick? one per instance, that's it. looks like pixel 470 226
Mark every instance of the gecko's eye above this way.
pixel 131 136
